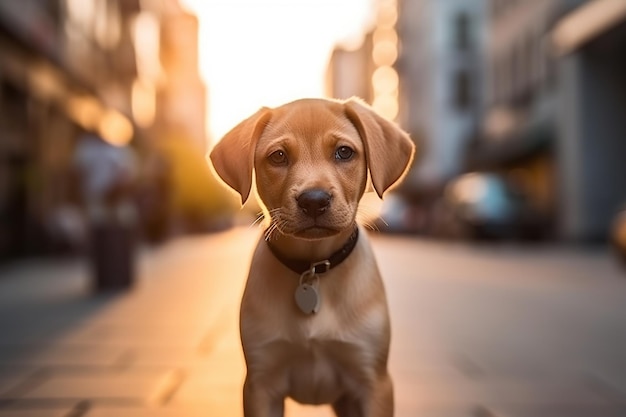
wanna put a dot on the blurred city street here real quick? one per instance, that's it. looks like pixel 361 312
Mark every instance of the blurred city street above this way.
pixel 503 249
pixel 478 330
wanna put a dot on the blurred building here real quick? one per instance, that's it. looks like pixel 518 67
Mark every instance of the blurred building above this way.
pixel 589 41
pixel 552 125
pixel 124 69
pixel 441 78
pixel 517 133
pixel 369 71
pixel 180 93
pixel 349 72
pixel 62 72
pixel 174 95
pixel 438 96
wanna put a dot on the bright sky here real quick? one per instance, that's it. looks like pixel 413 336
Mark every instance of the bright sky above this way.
pixel 257 53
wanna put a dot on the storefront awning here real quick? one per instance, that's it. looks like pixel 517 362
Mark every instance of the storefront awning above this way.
pixel 535 135
pixel 586 23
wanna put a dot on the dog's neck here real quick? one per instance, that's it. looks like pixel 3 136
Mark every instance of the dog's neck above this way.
pixel 313 250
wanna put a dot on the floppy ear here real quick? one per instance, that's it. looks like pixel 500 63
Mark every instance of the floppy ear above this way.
pixel 388 149
pixel 233 156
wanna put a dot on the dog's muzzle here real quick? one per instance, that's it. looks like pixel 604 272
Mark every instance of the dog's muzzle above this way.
pixel 314 202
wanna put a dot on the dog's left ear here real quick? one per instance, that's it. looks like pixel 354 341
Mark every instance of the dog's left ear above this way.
pixel 233 156
pixel 388 149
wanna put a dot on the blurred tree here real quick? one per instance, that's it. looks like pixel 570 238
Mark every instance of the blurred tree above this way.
pixel 196 196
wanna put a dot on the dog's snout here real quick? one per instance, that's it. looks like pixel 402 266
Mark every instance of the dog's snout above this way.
pixel 314 202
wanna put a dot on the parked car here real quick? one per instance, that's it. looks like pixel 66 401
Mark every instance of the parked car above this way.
pixel 485 206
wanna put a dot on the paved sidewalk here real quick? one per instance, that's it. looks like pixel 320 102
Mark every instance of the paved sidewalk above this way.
pixel 477 332
pixel 168 348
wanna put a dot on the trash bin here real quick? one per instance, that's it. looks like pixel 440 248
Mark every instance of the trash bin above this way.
pixel 107 175
pixel 113 256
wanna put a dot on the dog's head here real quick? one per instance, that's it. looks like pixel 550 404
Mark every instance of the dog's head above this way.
pixel 311 159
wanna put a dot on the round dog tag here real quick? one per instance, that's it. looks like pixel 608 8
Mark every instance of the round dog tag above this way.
pixel 307 298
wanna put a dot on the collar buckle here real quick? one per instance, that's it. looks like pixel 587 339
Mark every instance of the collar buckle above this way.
pixel 320 267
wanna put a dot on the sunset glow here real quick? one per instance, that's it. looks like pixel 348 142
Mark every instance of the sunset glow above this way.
pixel 257 53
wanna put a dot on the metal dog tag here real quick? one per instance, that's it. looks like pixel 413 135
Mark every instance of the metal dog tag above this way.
pixel 307 298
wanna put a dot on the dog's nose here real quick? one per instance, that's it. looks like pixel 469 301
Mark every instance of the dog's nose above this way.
pixel 314 202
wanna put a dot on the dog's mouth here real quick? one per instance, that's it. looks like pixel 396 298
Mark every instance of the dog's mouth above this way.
pixel 316 232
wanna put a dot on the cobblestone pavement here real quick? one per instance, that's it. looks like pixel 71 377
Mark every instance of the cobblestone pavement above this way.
pixel 478 331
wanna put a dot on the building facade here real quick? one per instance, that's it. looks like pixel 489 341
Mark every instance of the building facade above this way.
pixel 589 41
pixel 181 99
pixel 116 68
pixel 349 72
pixel 555 84
pixel 60 75
pixel 517 133
pixel 441 77
pixel 369 71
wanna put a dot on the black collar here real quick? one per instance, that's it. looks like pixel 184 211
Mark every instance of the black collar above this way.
pixel 300 266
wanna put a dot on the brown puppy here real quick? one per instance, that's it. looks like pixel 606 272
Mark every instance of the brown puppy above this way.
pixel 314 322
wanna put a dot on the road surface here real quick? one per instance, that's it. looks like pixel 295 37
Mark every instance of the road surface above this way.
pixel 478 331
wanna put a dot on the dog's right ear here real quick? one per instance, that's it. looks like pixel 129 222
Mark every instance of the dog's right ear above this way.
pixel 233 156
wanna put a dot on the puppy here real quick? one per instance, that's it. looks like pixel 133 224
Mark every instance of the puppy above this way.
pixel 314 321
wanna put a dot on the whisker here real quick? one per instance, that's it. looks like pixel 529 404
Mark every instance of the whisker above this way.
pixel 275 223
pixel 271 232
pixel 370 217
pixel 371 226
pixel 268 232
pixel 260 217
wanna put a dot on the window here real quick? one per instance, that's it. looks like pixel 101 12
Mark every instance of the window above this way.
pixel 462 31
pixel 462 90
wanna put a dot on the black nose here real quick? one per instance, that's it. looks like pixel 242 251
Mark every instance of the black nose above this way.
pixel 314 202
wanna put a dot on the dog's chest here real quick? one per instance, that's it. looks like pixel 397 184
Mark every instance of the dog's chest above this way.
pixel 314 374
pixel 326 360
pixel 322 363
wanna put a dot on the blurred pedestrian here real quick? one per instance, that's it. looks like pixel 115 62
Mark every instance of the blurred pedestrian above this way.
pixel 107 176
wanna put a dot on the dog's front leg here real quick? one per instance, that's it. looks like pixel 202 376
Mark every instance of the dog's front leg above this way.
pixel 379 402
pixel 258 402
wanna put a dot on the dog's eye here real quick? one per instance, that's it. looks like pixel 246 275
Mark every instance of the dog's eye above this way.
pixel 343 153
pixel 278 158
